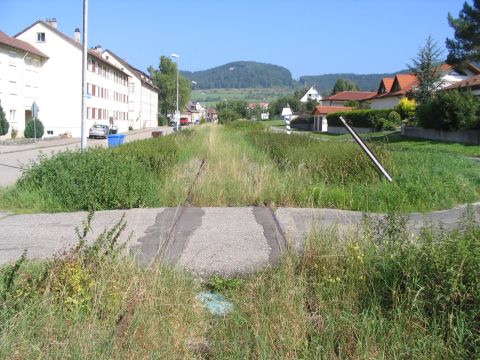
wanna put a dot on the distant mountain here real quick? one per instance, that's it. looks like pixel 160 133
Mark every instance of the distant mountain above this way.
pixel 242 74
pixel 325 83
pixel 251 74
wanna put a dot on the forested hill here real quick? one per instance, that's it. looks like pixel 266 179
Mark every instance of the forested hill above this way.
pixel 325 83
pixel 242 74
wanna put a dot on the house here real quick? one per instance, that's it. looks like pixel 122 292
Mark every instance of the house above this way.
pixel 262 105
pixel 212 115
pixel 341 98
pixel 116 93
pixel 472 84
pixel 388 96
pixel 311 94
pixel 391 90
pixel 320 116
pixel 142 93
pixel 20 77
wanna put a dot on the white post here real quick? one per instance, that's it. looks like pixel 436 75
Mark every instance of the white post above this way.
pixel 177 114
pixel 287 124
pixel 84 76
pixel 287 115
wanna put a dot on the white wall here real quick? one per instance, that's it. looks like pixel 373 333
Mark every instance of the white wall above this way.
pixel 385 103
pixel 60 82
pixel 19 85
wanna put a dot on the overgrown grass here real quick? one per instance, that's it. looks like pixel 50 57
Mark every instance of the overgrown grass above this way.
pixel 379 295
pixel 338 174
pixel 120 178
pixel 376 293
pixel 245 164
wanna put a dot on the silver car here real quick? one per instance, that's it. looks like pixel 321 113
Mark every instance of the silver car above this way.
pixel 97 131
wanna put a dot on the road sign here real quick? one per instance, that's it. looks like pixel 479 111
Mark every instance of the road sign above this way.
pixel 35 109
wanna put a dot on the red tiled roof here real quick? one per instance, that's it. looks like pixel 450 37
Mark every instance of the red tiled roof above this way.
pixel 388 82
pixel 474 81
pixel 19 44
pixel 351 96
pixel 325 110
pixel 406 82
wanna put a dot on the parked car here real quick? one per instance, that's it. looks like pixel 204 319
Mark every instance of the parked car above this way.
pixel 171 123
pixel 184 121
pixel 98 130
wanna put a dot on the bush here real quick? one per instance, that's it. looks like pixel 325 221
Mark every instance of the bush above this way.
pixel 95 180
pixel 226 116
pixel 360 118
pixel 406 108
pixel 34 127
pixel 14 133
pixel 4 125
pixel 450 110
pixel 162 121
pixel 303 120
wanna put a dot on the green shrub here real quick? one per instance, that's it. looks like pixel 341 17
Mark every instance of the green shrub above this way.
pixel 406 108
pixel 365 118
pixel 4 125
pixel 162 121
pixel 303 120
pixel 95 180
pixel 34 128
pixel 226 116
pixel 450 110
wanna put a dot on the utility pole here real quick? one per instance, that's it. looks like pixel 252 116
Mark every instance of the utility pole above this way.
pixel 84 76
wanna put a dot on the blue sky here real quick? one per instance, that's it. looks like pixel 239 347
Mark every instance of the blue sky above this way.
pixel 317 37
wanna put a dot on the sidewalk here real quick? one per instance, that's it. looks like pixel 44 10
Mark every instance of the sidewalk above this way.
pixel 226 241
pixel 47 143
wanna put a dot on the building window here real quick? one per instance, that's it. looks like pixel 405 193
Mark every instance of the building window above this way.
pixel 12 115
pixel 49 132
pixel 41 37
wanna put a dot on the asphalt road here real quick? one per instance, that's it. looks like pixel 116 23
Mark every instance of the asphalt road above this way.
pixel 226 241
pixel 14 158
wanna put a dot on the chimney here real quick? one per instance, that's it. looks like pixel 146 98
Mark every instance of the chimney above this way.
pixel 98 49
pixel 76 35
pixel 52 22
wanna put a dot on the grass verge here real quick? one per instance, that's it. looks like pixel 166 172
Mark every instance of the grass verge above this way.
pixel 378 293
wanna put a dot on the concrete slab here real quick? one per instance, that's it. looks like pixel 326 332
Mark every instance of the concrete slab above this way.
pixel 298 223
pixel 228 242
pixel 44 235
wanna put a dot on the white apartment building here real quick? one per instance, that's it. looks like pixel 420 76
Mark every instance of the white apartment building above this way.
pixel 142 93
pixel 20 78
pixel 117 94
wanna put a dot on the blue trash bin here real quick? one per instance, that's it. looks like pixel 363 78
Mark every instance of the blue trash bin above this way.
pixel 115 140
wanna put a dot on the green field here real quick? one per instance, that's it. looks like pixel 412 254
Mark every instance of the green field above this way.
pixel 254 95
pixel 246 164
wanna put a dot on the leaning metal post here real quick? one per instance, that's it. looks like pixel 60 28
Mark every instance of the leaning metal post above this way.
pixel 366 149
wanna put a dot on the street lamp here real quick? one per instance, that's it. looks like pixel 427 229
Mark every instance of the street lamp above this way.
pixel 177 113
pixel 194 83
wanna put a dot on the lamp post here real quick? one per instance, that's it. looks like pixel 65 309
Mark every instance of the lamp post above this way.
pixel 83 129
pixel 287 113
pixel 177 114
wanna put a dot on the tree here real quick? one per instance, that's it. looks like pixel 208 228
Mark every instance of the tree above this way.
pixel 276 106
pixel 466 45
pixel 33 129
pixel 165 78
pixel 344 85
pixel 426 66
pixel 4 125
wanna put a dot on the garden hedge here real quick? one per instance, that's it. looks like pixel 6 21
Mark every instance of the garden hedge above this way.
pixel 361 118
